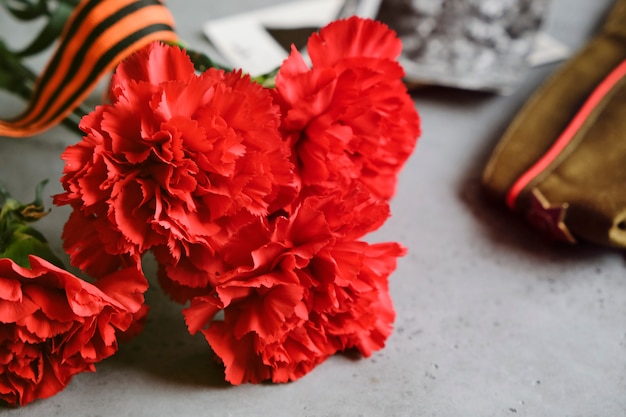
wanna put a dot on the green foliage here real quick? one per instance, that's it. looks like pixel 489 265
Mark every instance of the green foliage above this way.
pixel 56 14
pixel 18 239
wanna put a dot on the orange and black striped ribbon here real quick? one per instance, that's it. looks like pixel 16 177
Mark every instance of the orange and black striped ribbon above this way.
pixel 98 35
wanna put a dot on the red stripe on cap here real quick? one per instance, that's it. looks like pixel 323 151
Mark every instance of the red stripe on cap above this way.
pixel 568 134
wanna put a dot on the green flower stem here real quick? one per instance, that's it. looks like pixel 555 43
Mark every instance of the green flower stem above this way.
pixel 18 239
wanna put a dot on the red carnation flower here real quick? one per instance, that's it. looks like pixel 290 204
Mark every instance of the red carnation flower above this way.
pixel 172 160
pixel 349 117
pixel 299 289
pixel 191 275
pixel 53 325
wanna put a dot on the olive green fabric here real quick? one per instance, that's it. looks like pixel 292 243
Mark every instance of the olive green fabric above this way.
pixel 585 186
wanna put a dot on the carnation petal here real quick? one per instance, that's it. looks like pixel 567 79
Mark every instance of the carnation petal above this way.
pixel 11 311
pixel 353 37
pixel 131 211
pixel 52 303
pixel 86 303
pixel 265 314
pixel 294 64
pixel 61 326
pixel 42 326
pixel 238 355
pixel 10 289
pixel 154 64
pixel 316 88
pixel 200 313
pixel 82 241
pixel 50 384
pixel 126 286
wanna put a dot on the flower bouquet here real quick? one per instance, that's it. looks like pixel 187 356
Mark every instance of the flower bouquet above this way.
pixel 255 197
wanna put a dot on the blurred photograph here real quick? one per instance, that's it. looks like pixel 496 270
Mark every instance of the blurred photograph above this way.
pixel 475 44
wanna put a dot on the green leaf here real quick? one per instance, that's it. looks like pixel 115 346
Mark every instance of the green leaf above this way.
pixel 12 64
pixel 10 82
pixel 18 238
pixel 26 10
pixel 50 32
pixel 24 243
pixel 72 3
pixel 6 79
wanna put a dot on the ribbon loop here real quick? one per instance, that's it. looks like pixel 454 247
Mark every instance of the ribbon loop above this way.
pixel 98 35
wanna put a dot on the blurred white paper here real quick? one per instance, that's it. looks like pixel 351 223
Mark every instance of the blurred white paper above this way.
pixel 547 50
pixel 244 41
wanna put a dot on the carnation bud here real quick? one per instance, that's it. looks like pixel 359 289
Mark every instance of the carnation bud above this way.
pixel 18 239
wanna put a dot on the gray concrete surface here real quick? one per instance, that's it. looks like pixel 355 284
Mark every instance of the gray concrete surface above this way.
pixel 491 321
